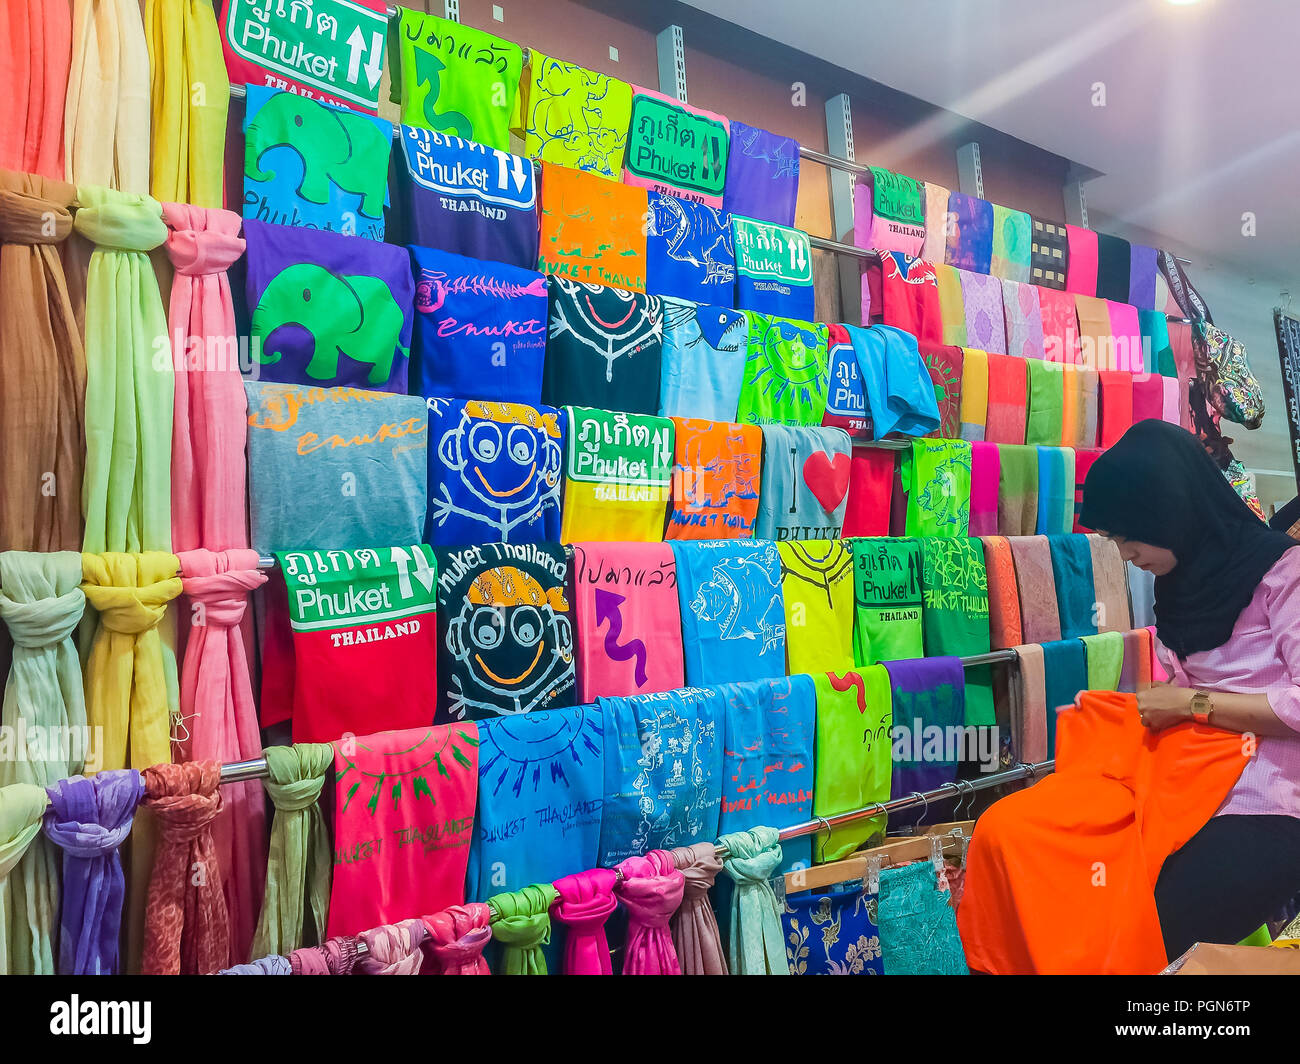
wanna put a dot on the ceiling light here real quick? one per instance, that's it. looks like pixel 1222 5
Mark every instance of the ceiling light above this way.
pixel 1183 3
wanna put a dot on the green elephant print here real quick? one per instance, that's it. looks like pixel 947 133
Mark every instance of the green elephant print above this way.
pixel 353 316
pixel 337 147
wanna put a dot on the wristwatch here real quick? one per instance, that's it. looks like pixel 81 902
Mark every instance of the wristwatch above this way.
pixel 1202 706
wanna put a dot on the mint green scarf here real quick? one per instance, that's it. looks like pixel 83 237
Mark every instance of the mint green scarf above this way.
pixel 1105 657
pixel 299 862
pixel 21 807
pixel 523 926
pixel 754 946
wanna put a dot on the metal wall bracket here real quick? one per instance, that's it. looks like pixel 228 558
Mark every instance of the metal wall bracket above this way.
pixel 1076 203
pixel 970 174
pixel 671 52
pixel 839 142
pixel 451 10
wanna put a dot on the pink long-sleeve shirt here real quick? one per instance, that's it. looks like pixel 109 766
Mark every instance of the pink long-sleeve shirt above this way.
pixel 1262 656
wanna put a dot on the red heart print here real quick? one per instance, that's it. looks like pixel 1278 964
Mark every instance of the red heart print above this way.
pixel 827 478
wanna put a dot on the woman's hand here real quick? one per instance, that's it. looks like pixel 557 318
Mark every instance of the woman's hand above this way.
pixel 1163 705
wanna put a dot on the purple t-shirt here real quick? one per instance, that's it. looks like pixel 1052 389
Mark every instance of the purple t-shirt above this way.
pixel 762 175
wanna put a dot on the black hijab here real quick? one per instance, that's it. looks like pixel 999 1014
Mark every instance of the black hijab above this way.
pixel 1158 485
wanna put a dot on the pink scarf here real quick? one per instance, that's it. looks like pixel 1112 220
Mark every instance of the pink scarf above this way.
pixel 338 956
pixel 210 423
pixel 393 949
pixel 584 904
pixel 1081 272
pixel 219 723
pixel 1126 331
pixel 456 937
pixel 35 56
pixel 651 890
pixel 985 473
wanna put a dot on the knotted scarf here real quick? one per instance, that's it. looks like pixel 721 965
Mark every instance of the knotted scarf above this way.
pixel 191 95
pixel 106 124
pixel 456 937
pixel 1039 617
pixel 1055 490
pixel 35 51
pixel 985 474
pixel 1109 575
pixel 1029 705
pixel 41 603
pixel 1008 398
pixel 272 965
pixel 338 956
pixel 1018 490
pixel 126 496
pixel 585 901
pixel 42 368
pixel 523 926
pixel 393 949
pixel 1004 593
pixel 297 895
pixel 88 820
pixel 21 808
pixel 126 691
pixel 651 890
pixel 754 943
pixel 186 926
pixel 694 926
pixel 219 722
pixel 974 394
pixel 1075 594
pixel 210 419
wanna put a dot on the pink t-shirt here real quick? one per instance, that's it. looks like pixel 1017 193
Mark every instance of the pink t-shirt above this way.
pixel 1262 656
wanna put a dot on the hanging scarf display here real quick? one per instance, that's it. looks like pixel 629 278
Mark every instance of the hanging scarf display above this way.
pixel 585 901
pixel 952 304
pixel 312 164
pixel 494 472
pixel 403 820
pixel 1017 490
pixel 903 293
pixel 773 269
pixel 38 52
pixel 1083 459
pixel 338 956
pixel 1126 336
pixel 455 940
pixel 715 488
pixel 676 150
pixel 523 926
pixel 1036 580
pixel 663 771
pixel 1104 654
pixel 985 321
pixel 1046 404
pixel 889 212
pixel 805 483
pixel 755 943
pixel 1061 340
pixel 696 938
pixel 188 125
pixel 604 349
pixel 1081 269
pixel 985 476
pixel 930 700
pixel 328 309
pixel 186 923
pixel 295 903
pixel 106 123
pixel 1065 674
pixel 871 479
pixel 1004 593
pixel 618 476
pixel 918 927
pixel 833 934
pixel 817 587
pixel 1024 320
pixel 1012 251
pixel 21 808
pixel 467 199
pixel 454 78
pixel 366 452
pixel 1049 254
pixel 1055 490
pixel 900 395
pixel 936 474
pixel 1116 414
pixel 1090 386
pixel 770 727
pixel 944 365
pixel 42 364
pixel 974 394
pixel 540 785
pixel 785 379
pixel 1114 265
pixel 846 401
pixel 936 222
pixel 703 365
pixel 955 611
pixel 762 175
pixel 393 949
pixel 689 252
pixel 627 619
pixel 593 231
pixel 480 328
pixel 733 613
pixel 220 722
pixel 650 889
pixel 573 116
pixel 126 687
pixel 887 600
pixel 1075 591
pixel 1072 406
pixel 1148 398
pixel 1096 344
pixel 382 599
pixel 88 820
pixel 1143 270
pixel 1110 583
pixel 854 756
pixel 505 636
pixel 969 232
pixel 1006 415
pixel 1135 673
pixel 1029 705
pixel 126 496
pixel 210 411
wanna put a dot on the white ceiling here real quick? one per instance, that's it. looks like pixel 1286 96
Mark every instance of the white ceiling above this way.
pixel 1202 114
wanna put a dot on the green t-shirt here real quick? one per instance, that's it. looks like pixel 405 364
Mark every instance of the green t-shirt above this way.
pixel 955 615
pixel 887 600
pixel 817 585
pixel 936 477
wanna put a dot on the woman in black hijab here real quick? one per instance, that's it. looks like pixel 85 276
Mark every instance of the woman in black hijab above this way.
pixel 1227 606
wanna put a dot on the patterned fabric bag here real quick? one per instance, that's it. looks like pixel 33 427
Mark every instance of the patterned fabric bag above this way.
pixel 1232 388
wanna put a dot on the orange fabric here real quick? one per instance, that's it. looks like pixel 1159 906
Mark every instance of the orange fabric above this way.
pixel 1060 878
pixel 593 230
